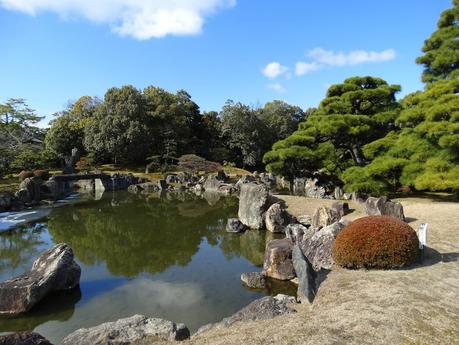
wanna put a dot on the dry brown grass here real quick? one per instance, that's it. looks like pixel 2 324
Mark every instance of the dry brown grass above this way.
pixel 419 305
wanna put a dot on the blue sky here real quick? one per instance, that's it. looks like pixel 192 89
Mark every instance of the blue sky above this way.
pixel 252 51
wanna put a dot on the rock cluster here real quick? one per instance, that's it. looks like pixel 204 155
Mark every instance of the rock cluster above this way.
pixel 24 338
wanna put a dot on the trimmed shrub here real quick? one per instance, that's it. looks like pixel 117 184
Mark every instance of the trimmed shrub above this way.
pixel 25 174
pixel 376 242
pixel 43 174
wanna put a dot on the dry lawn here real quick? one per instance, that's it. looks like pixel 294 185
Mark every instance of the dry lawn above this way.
pixel 419 305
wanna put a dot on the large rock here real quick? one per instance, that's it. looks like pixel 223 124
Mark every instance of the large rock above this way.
pixel 340 209
pixel 305 220
pixel 127 331
pixel 30 190
pixel 278 260
pixel 295 232
pixel 324 216
pixel 54 270
pixel 338 193
pixel 317 246
pixel 6 201
pixel 243 180
pixel 313 190
pixel 253 203
pixel 261 309
pixel 254 280
pixel 162 185
pixel 24 338
pixel 212 184
pixel 305 274
pixel 276 218
pixel 384 207
pixel 234 225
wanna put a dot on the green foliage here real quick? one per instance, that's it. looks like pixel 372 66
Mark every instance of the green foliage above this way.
pixel 67 130
pixel 376 242
pixel 354 113
pixel 441 53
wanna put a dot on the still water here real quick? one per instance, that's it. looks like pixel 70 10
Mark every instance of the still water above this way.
pixel 165 256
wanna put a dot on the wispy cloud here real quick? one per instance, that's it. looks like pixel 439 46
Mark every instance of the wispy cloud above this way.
pixel 141 19
pixel 274 70
pixel 354 57
pixel 306 67
pixel 277 87
pixel 319 58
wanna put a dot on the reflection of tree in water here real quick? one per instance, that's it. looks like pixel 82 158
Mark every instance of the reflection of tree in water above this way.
pixel 139 235
pixel 19 247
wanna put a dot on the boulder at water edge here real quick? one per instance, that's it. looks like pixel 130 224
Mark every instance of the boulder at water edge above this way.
pixel 234 225
pixel 261 309
pixel 127 331
pixel 54 270
pixel 24 338
pixel 254 280
pixel 278 260
pixel 253 203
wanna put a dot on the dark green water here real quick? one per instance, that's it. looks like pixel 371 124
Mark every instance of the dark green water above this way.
pixel 164 256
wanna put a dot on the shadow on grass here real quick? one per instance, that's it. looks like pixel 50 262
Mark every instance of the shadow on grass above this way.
pixel 430 257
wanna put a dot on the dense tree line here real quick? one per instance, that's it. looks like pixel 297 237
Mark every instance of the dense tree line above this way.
pixel 360 136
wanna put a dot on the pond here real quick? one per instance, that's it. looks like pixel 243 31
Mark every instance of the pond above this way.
pixel 160 255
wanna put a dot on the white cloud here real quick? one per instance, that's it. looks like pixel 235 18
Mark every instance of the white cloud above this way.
pixel 274 70
pixel 306 67
pixel 354 57
pixel 277 87
pixel 141 19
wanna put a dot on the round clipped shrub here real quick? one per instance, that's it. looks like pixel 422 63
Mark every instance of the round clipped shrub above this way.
pixel 376 242
pixel 43 174
pixel 24 174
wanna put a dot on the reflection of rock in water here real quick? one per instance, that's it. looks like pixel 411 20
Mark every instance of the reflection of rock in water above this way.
pixel 253 246
pixel 212 198
pixel 59 306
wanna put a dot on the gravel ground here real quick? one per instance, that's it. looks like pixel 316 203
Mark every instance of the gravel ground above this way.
pixel 419 305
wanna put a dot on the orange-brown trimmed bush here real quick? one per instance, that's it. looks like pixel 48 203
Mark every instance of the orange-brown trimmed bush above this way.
pixel 376 242
pixel 43 174
pixel 24 174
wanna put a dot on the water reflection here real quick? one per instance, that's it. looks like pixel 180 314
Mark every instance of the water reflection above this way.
pixel 161 255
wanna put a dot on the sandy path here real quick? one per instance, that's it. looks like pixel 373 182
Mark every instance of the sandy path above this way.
pixel 419 305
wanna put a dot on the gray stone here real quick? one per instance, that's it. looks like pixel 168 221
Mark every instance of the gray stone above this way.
pixel 317 246
pixel 313 190
pixel 338 194
pixel 384 207
pixel 54 270
pixel 340 209
pixel 295 232
pixel 305 275
pixel 171 179
pixel 244 179
pixel 212 184
pixel 254 280
pixel 305 220
pixel 264 308
pixel 24 338
pixel 347 196
pixel 253 203
pixel 278 260
pixel 234 225
pixel 276 218
pixel 128 331
pixel 323 216
pixel 359 197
